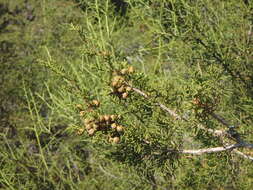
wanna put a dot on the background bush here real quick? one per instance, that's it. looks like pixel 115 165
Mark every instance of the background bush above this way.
pixel 57 57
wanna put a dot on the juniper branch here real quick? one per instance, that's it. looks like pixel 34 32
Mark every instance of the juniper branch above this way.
pixel 212 131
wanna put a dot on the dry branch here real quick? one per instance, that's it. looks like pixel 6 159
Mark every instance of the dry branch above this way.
pixel 243 155
pixel 210 150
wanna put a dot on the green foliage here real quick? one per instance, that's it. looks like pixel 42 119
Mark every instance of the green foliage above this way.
pixel 79 57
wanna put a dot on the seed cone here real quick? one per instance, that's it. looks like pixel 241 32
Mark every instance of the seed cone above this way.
pixel 82 113
pixel 87 121
pixel 119 128
pixel 128 88
pixel 124 95
pixel 117 81
pixel 80 131
pixel 116 140
pixel 79 106
pixel 106 117
pixel 130 69
pixel 88 126
pixel 113 117
pixel 124 71
pixel 91 132
pixel 114 126
pixel 95 103
pixel 121 89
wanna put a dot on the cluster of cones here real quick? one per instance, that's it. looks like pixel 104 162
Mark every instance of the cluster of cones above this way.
pixel 119 85
pixel 105 123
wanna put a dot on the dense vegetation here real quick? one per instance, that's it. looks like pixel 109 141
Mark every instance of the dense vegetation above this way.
pixel 134 94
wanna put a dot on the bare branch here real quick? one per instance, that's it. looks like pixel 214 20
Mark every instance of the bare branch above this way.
pixel 218 149
pixel 163 107
pixel 212 131
pixel 171 112
pixel 139 92
pixel 243 155
pixel 211 150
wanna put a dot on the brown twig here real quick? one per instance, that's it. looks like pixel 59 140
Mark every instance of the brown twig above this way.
pixel 243 155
